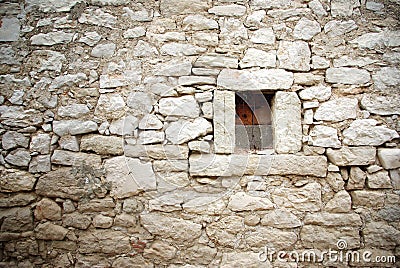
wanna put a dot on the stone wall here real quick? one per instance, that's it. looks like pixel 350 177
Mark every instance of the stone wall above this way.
pixel 117 125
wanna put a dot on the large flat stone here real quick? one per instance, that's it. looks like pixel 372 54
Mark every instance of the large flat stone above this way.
pixel 73 127
pixel 181 106
pixel 157 151
pixel 337 110
pixel 183 131
pixel 381 104
pixel 245 80
pixel 352 156
pixel 224 121
pixel 68 158
pixel 294 56
pixel 13 180
pixel 389 158
pixel 238 165
pixel 347 76
pixel 170 7
pixel 104 145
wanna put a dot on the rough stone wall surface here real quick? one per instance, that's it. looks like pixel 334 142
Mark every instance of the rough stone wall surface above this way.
pixel 116 122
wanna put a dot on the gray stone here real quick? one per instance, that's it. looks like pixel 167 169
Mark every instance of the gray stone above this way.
pixel 281 219
pixel 346 75
pixel 144 49
pixel 198 23
pixel 340 203
pixel 110 2
pixel 18 117
pixel 244 202
pixel 179 49
pixel 390 214
pixel 49 231
pixel 286 122
pixel 142 15
pixel 51 5
pixel 73 110
pixel 169 227
pixel 352 156
pixel 103 50
pixel 129 176
pixel 151 137
pixel 131 74
pixel 134 32
pixel 169 7
pixel 47 209
pixel 52 38
pixel 110 106
pixel 224 121
pixel 379 180
pixel 9 30
pixel 19 157
pixel 386 77
pixel 40 163
pixel 320 93
pixel 324 136
pixel 103 145
pixel 196 80
pixel 343 7
pixel 13 139
pixel 381 104
pixel 263 36
pixel 268 4
pixel 306 29
pixel 337 110
pixel 366 132
pixel 232 31
pixel 17 200
pixel 16 220
pixel 265 79
pixel 283 14
pixel 40 143
pixel 389 158
pixel 258 58
pixel 68 158
pixel 48 60
pixel 73 127
pixel 90 38
pixel 124 126
pixel 294 55
pixel 228 10
pixel 67 80
pixel 76 220
pixel 150 122
pixel 317 8
pixel 216 60
pixel 13 180
pixel 182 106
pixel 7 55
pixel 69 143
pixel 98 17
pixel 183 131
pixel 174 68
pixel 140 102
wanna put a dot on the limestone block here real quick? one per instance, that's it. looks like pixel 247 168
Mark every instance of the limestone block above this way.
pixel 52 38
pixel 345 61
pixel 16 220
pixel 225 230
pixel 306 29
pixel 150 122
pixel 103 222
pixel 170 227
pixel 254 19
pixel 335 28
pixel 160 250
pixel 281 219
pixel 13 139
pixel 67 158
pixel 347 76
pixel 179 49
pixel 198 23
pixel 379 180
pixel 352 156
pixel 90 38
pixel 244 202
pixel 47 60
pixel 110 242
pixel 110 106
pixel 157 151
pixel 389 158
pixel 333 219
pixel 340 203
pixel 308 79
pixel 356 179
pixel 110 2
pixel 386 77
pixel 294 56
pixel 14 180
pixel 216 61
pixel 103 50
pixel 17 200
pixel 169 7
pixel 314 236
pixel 97 17
pixel 232 31
pixel 337 110
pixel 77 220
pixel 200 146
pixel 51 5
pixel 286 122
pixel 258 58
pixel 381 235
pixel 324 136
pixel 228 10
pixel 104 145
pixel 320 93
pixel 264 79
pixel 377 40
pixel 170 165
pixel 183 131
pixel 73 127
pixel 196 80
pixel 366 132
pixel 150 137
pixel 67 80
pixel 140 103
pixel 49 231
pixel 174 68
pixel 363 198
pixel 343 7
pixel 381 104
pixel 19 157
pixel 317 8
pixel 273 237
pixel 104 205
pixel 134 32
pixel 40 143
pixel 264 36
pixel 224 121
pixel 181 106
pixel 18 117
pixel 73 110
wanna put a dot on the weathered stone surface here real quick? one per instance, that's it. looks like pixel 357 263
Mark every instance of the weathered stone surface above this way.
pixel 324 136
pixel 16 220
pixel 345 61
pixel 169 7
pixel 134 32
pixel 71 186
pixel 294 55
pixel 333 219
pixel 224 231
pixel 68 158
pixel 263 36
pixel 284 14
pixel 104 145
pixel 73 127
pixel 335 28
pixel 320 93
pixel 103 50
pixel 170 227
pixel 232 31
pixel 228 10
pixel 390 213
pixel 49 231
pixel 13 180
pixel 73 110
pixel 51 5
pixel 377 40
pixel 381 235
pixel 40 143
pixel 48 60
pixel 179 49
pixel 90 38
pixel 346 75
pixel 170 165
pixel 151 136
pixel 340 203
pixel 319 62
pixel 381 104
pixel 47 209
pixel 196 80
pixel 67 80
pixel 224 121
pixel 77 220
pixel 129 176
pixel 13 139
pixel 216 61
pixel 199 23
pixel 366 132
pixel 389 158
pixel 174 68
pixel 104 205
pixel 17 200
pixel 19 157
pixel 110 2
pixel 150 122
pixel 103 222
pixel 182 131
pixel 160 250
pixel 343 8
pixel 356 179
pixel 52 38
pixel 245 202
pixel 367 199
pixel 379 180
pixel 18 117
pixel 256 57
pixel 9 29
pixel 140 102
pixel 157 151
pixel 337 110
pixel 144 49
pixel 182 106
pixel 124 126
pixel 306 29
pixel 254 19
pixel 200 146
pixel 110 105
pixel 386 77
pixel 274 237
pixel 242 259
pixel 352 156
pixel 98 17
pixel 314 236
pixel 104 241
pixel 230 165
pixel 125 220
pixel 69 143
pixel 286 122
pixel 241 80
pixel 280 218
pixel 131 74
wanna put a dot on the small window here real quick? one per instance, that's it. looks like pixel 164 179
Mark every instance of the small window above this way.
pixel 253 130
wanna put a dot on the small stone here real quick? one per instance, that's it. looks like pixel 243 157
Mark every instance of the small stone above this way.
pixel 40 143
pixel 389 158
pixel 319 62
pixel 294 55
pixel 73 110
pixel 17 220
pixel 150 122
pixel 67 80
pixel 144 49
pixel 174 68
pixel 151 137
pixel 258 58
pixel 263 36
pixel 103 222
pixel 244 202
pixel 182 106
pixel 103 145
pixel 110 106
pixel 140 15
pixel 356 179
pixel 232 31
pixel 337 110
pixel 124 126
pixel 374 168
pixel 200 146
pixel 374 6
pixel 47 209
pixel 255 18
pixel 379 180
pixel 9 29
pixel 13 139
pixel 325 136
pixel 125 220
pixel 321 93
pixel 183 131
pixel 203 96
pixel 352 156
pixel 306 29
pixel 40 163
pixel 52 38
pixel 343 8
pixel 340 203
pixel 77 220
pixel 73 127
pixel 48 60
pixel 98 17
pixel 178 49
pixel 196 80
pixel 366 132
pixel 169 7
pixel 216 60
pixel 19 157
pixel 281 218
pixel 317 8
pixel 333 219
pixel 103 50
pixel 336 28
pixel 90 38
pixel 199 23
pixel 345 75
pixel 228 10
pixel 49 231
pixel 69 143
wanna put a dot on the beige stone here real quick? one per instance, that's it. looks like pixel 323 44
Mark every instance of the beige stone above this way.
pixel 245 202
pixel 103 145
pixel 363 198
pixel 281 219
pixel 47 209
pixel 340 203
pixel 352 156
pixel 49 231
